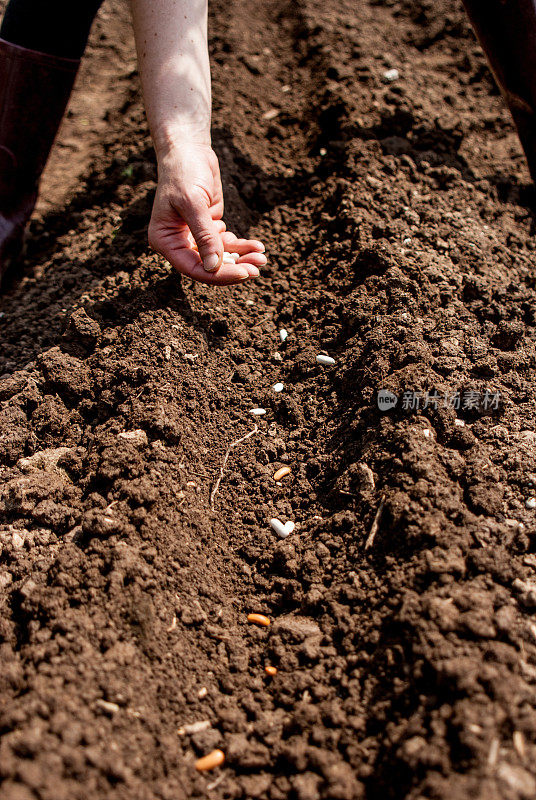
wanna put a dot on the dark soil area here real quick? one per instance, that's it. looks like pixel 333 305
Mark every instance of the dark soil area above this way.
pixel 399 226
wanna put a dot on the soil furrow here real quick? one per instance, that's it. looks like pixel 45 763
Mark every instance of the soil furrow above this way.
pixel 406 659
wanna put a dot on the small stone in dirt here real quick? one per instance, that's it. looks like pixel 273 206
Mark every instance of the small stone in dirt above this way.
pixel 18 540
pixel 195 727
pixel 299 627
pixel 44 460
pixel 110 708
pixel 167 352
pixel 277 357
pixel 526 591
pixel 326 361
pixel 137 437
pixel 391 75
pixel 278 387
pixel 530 502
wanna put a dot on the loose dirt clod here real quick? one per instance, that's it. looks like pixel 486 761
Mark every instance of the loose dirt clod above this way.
pixel 259 619
pixel 137 437
pixel 210 761
pixel 282 473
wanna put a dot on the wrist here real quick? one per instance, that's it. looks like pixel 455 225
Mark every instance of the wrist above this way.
pixel 171 138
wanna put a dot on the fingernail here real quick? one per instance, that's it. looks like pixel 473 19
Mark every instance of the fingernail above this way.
pixel 244 277
pixel 254 272
pixel 211 263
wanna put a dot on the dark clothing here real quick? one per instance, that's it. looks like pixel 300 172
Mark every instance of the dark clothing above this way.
pixel 57 27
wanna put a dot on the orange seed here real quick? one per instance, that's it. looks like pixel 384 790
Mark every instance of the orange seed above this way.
pixel 210 761
pixel 272 671
pixel 282 473
pixel 259 619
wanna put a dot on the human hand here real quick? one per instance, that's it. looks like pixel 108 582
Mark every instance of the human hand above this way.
pixel 186 224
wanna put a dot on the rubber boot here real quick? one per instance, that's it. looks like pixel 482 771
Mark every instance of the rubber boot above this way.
pixel 34 92
pixel 507 32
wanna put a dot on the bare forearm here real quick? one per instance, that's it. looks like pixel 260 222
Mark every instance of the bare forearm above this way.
pixel 171 39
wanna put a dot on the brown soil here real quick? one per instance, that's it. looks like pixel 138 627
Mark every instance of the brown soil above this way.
pixel 398 220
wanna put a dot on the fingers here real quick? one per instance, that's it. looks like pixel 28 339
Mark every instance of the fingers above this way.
pixel 206 232
pixel 241 246
pixel 188 262
pixel 258 259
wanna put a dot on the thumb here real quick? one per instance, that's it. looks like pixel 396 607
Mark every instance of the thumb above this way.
pixel 206 235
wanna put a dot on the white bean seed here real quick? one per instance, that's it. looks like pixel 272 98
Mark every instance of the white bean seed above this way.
pixel 258 412
pixel 289 527
pixel 327 361
pixel 278 387
pixel 283 334
pixel 531 502
pixel 281 530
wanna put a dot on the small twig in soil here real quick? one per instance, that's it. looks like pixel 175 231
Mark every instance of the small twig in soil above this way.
pixel 216 783
pixel 216 486
pixel 375 524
